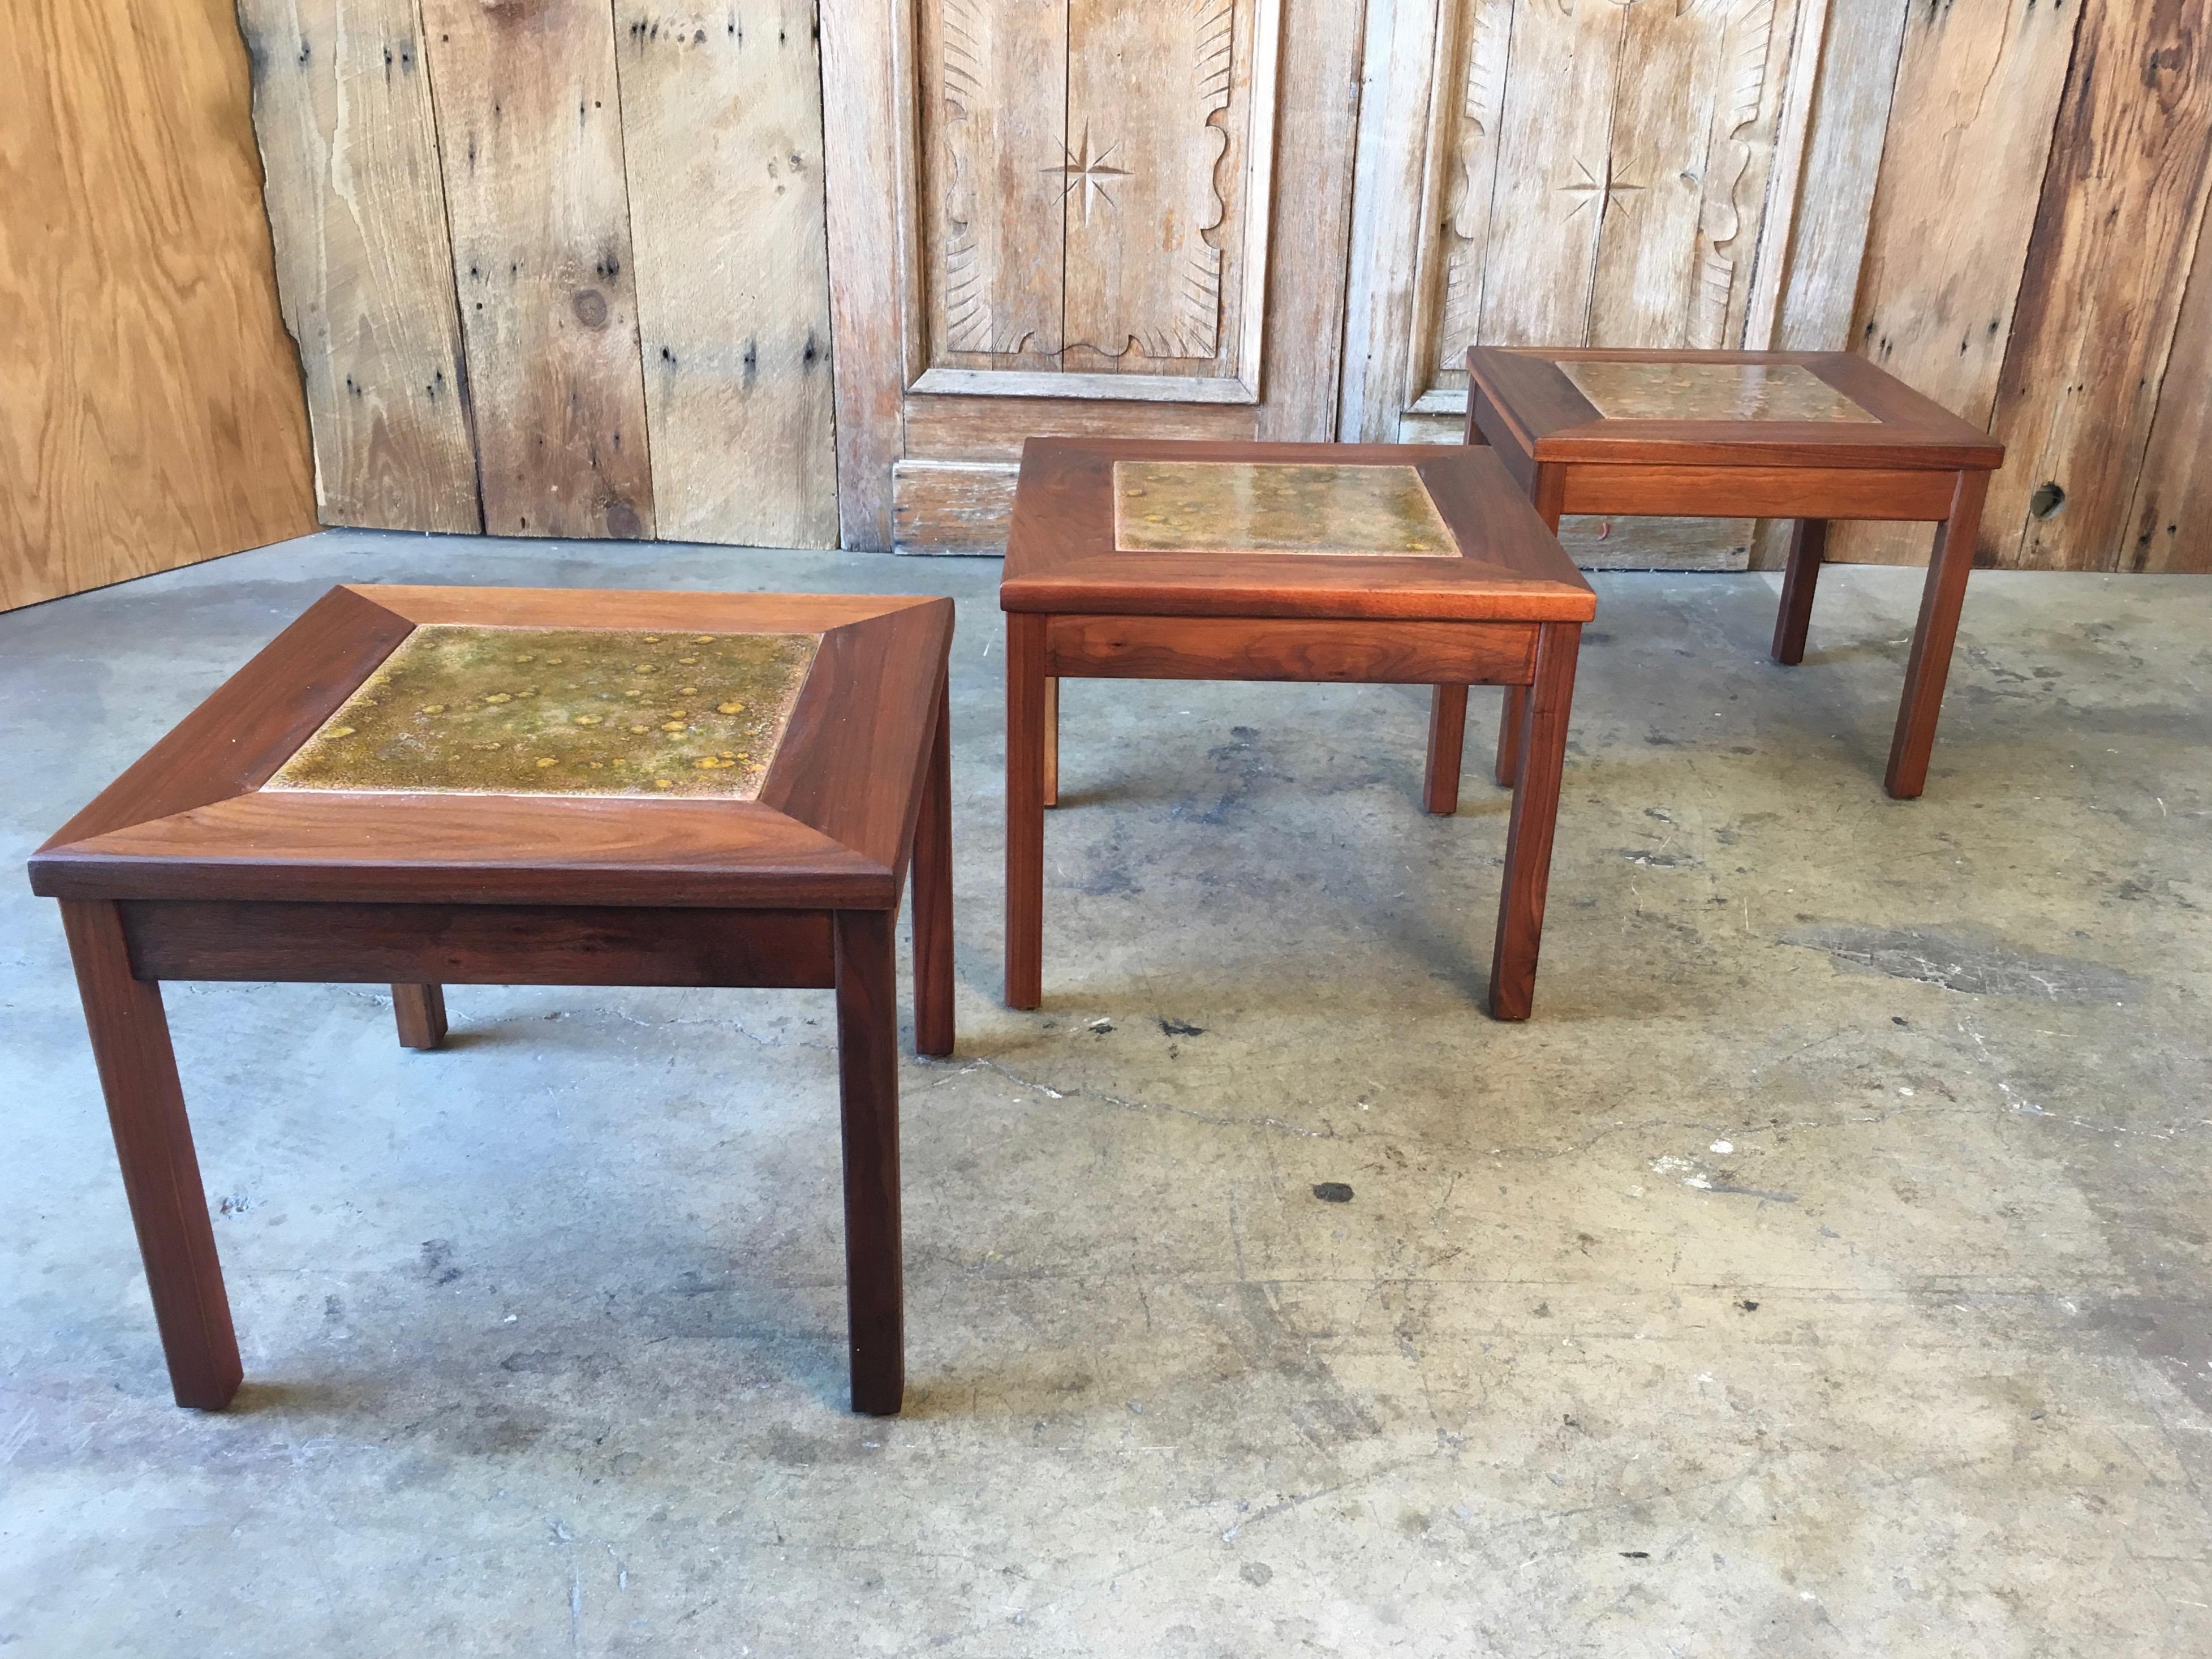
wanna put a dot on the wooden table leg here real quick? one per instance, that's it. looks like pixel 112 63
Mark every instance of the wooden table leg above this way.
pixel 867 1085
pixel 1447 742
pixel 1509 722
pixel 153 1146
pixel 1025 741
pixel 1547 492
pixel 932 894
pixel 421 1010
pixel 1809 546
pixel 1052 741
pixel 1543 750
pixel 1952 558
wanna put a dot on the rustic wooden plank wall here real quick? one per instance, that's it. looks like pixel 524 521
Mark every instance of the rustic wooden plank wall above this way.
pixel 350 157
pixel 721 110
pixel 149 409
pixel 555 267
pixel 529 127
pixel 2108 267
pixel 2031 265
pixel 615 210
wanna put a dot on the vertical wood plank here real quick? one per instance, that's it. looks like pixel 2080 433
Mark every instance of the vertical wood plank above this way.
pixel 530 133
pixel 1812 271
pixel 1978 90
pixel 996 129
pixel 2170 527
pixel 1316 117
pixel 2106 269
pixel 863 176
pixel 1486 56
pixel 364 268
pixel 1842 156
pixel 721 122
pixel 994 121
pixel 1407 95
pixel 1644 274
pixel 150 412
pixel 1555 181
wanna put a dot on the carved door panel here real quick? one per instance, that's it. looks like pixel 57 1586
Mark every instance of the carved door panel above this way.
pixel 1569 172
pixel 1084 236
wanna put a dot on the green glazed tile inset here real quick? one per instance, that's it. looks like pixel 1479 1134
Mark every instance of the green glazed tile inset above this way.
pixel 459 710
pixel 1271 507
pixel 1708 391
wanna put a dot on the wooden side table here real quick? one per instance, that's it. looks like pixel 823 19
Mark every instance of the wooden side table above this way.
pixel 511 785
pixel 1407 564
pixel 1809 436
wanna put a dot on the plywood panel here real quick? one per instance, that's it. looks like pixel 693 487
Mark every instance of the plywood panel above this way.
pixel 342 106
pixel 2171 523
pixel 2107 265
pixel 721 113
pixel 150 412
pixel 1977 89
pixel 529 125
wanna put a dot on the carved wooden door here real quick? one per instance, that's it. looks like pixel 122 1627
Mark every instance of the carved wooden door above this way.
pixel 1067 216
pixel 1571 173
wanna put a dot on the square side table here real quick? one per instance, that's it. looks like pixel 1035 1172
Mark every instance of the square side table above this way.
pixel 1809 436
pixel 1379 563
pixel 421 785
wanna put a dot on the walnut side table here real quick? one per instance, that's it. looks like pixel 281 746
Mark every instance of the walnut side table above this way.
pixel 1809 436
pixel 1416 564
pixel 515 786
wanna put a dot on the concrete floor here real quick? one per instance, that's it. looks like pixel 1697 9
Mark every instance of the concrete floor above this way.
pixel 1822 1271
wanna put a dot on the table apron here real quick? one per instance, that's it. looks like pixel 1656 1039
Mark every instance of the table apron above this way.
pixel 1763 492
pixel 477 944
pixel 1290 648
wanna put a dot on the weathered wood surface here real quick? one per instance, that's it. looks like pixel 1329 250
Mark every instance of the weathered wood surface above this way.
pixel 2170 526
pixel 2114 234
pixel 993 103
pixel 721 125
pixel 953 506
pixel 862 61
pixel 150 403
pixel 529 126
pixel 1977 89
pixel 1313 111
pixel 1070 199
pixel 1811 267
pixel 1150 177
pixel 349 151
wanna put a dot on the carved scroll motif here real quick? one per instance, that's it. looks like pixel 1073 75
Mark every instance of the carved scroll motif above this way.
pixel 1145 211
pixel 1003 120
pixel 1747 52
pixel 1473 167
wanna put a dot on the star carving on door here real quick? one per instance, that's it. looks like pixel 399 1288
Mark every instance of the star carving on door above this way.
pixel 1592 188
pixel 1088 172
